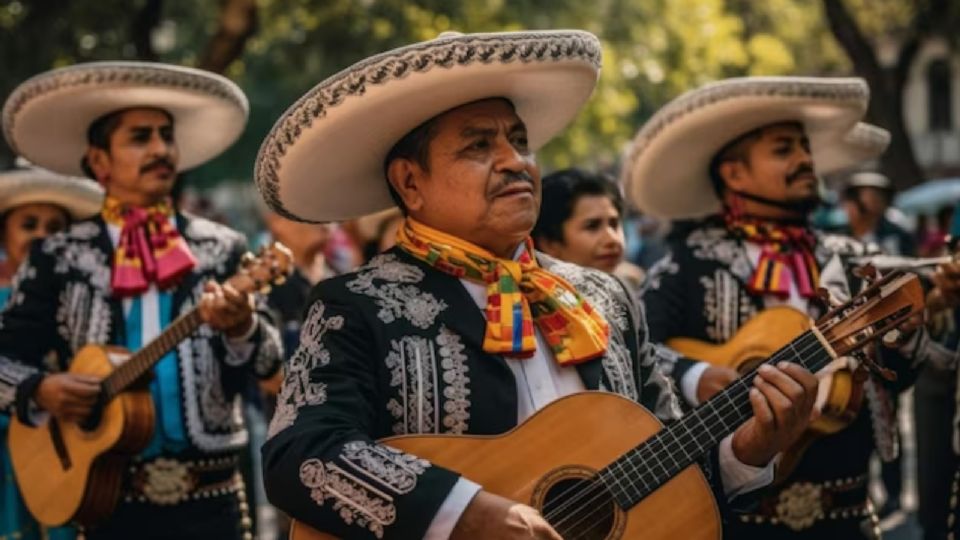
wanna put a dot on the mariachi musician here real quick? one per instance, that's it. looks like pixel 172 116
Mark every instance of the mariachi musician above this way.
pixel 120 277
pixel 446 332
pixel 737 159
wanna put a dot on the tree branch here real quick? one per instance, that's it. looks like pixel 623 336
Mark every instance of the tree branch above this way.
pixel 238 22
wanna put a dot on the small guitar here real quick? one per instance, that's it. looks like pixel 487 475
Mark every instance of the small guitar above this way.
pixel 72 472
pixel 600 467
pixel 841 388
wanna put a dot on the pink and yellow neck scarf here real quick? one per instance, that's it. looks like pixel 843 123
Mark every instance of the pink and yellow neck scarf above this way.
pixel 520 294
pixel 150 249
pixel 786 256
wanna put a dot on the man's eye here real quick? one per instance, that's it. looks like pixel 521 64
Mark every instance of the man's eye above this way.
pixel 481 144
pixel 592 225
pixel 520 141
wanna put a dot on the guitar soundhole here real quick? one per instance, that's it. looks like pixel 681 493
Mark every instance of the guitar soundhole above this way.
pixel 578 507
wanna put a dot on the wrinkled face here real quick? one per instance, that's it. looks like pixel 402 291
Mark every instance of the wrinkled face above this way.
pixel 592 236
pixel 140 166
pixel 28 222
pixel 483 183
pixel 777 165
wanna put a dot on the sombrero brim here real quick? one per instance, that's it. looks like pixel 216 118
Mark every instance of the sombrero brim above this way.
pixel 667 173
pixel 47 117
pixel 864 142
pixel 323 160
pixel 79 197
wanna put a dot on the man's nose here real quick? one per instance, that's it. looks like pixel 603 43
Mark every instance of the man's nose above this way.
pixel 508 158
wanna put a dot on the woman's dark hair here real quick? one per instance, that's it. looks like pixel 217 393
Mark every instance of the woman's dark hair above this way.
pixel 561 191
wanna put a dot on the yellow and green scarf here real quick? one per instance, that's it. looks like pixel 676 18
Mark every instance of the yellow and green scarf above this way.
pixel 519 294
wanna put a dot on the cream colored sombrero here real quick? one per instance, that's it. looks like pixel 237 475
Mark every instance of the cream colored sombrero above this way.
pixel 323 160
pixel 80 197
pixel 667 172
pixel 46 118
pixel 864 142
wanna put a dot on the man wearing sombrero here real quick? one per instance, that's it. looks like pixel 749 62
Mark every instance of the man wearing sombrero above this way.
pixel 121 277
pixel 738 159
pixel 449 331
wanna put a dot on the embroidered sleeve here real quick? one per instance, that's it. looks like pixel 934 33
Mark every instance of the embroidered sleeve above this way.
pixel 28 326
pixel 321 462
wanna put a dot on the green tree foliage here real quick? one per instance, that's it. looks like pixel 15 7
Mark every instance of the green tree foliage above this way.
pixel 653 49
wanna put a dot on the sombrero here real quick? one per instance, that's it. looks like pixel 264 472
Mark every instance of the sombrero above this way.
pixel 323 160
pixel 80 197
pixel 667 172
pixel 46 118
pixel 862 143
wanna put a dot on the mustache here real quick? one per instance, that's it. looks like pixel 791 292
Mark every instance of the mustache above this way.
pixel 803 169
pixel 512 178
pixel 157 163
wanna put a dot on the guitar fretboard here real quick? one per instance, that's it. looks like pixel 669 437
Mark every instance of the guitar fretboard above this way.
pixel 642 470
pixel 144 359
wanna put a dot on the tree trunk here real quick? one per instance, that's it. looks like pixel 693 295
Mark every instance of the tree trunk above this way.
pixel 238 21
pixel 142 30
pixel 886 92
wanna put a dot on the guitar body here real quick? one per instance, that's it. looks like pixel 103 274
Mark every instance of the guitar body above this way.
pixel 565 441
pixel 76 476
pixel 841 391
pixel 753 343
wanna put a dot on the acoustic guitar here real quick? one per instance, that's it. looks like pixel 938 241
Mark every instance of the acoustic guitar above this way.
pixel 599 466
pixel 71 471
pixel 841 385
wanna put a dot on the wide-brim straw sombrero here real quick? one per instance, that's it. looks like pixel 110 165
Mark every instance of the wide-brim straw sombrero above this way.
pixel 667 171
pixel 46 118
pixel 79 197
pixel 323 161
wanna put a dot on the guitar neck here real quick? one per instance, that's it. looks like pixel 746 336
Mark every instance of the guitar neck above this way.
pixel 642 470
pixel 143 360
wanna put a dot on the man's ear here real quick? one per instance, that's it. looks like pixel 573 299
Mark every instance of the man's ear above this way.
pixel 99 162
pixel 405 177
pixel 732 172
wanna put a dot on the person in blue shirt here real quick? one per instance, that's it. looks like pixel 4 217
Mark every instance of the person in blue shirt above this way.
pixel 122 276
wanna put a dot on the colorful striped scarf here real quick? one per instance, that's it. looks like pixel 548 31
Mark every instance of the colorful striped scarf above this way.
pixel 150 248
pixel 520 294
pixel 786 256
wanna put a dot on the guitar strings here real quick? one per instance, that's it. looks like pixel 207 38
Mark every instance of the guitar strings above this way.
pixel 592 489
pixel 594 485
pixel 721 410
pixel 596 489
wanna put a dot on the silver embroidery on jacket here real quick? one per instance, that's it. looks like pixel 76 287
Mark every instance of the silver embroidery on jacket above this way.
pixel 388 466
pixel 412 363
pixel 453 361
pixel 397 301
pixel 298 390
pixel 12 373
pixel 356 501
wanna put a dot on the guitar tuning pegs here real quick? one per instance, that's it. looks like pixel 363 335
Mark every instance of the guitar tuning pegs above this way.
pixel 246 260
pixel 280 280
pixel 265 289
